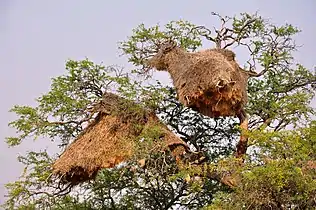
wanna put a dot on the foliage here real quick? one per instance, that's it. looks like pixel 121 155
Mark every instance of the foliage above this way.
pixel 282 175
pixel 279 167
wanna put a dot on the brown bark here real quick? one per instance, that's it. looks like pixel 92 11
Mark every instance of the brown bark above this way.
pixel 243 141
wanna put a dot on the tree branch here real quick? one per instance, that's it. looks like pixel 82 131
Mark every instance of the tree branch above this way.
pixel 242 144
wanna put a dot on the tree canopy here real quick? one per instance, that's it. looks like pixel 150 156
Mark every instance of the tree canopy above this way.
pixel 277 172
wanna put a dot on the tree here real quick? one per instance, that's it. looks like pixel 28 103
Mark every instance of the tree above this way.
pixel 277 172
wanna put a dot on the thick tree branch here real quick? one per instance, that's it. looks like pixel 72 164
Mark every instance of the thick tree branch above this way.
pixel 242 144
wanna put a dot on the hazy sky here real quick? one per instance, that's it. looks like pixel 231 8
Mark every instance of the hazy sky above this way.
pixel 37 37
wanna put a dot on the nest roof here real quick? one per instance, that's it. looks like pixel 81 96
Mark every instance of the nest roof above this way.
pixel 210 81
pixel 109 140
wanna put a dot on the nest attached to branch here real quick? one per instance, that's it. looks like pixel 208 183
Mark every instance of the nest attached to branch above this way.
pixel 111 139
pixel 210 81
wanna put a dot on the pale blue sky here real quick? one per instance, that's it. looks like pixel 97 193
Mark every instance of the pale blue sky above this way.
pixel 36 37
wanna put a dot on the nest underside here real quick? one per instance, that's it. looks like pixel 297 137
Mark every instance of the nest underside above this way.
pixel 221 97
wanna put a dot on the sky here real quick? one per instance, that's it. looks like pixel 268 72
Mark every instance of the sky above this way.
pixel 37 37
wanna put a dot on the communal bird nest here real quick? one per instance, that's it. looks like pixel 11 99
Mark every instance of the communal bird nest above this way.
pixel 210 81
pixel 112 138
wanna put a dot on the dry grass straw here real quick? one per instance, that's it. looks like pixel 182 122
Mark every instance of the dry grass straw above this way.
pixel 210 81
pixel 112 138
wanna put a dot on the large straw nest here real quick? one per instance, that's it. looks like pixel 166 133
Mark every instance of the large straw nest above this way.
pixel 210 81
pixel 113 138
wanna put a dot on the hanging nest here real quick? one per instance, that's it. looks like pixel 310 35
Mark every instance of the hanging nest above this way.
pixel 210 81
pixel 112 138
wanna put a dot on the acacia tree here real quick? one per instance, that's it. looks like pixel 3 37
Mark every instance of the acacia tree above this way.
pixel 278 171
